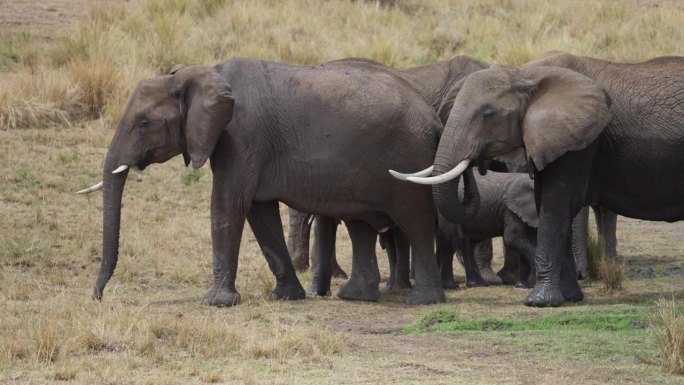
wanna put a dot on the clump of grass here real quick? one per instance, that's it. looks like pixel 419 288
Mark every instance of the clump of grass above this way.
pixel 668 327
pixel 595 253
pixel 612 273
pixel 191 176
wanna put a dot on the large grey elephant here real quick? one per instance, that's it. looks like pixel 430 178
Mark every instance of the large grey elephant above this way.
pixel 316 138
pixel 592 132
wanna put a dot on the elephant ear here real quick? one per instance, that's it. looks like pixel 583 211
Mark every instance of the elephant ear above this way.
pixel 207 106
pixel 519 198
pixel 566 111
pixel 447 102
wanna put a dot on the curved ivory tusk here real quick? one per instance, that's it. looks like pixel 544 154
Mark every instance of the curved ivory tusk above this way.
pixel 121 168
pixel 447 176
pixel 95 187
pixel 402 176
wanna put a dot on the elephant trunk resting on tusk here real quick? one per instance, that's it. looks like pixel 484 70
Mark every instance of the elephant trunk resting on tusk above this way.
pixel 420 177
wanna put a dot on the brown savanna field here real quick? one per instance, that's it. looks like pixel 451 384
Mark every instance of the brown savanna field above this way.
pixel 66 70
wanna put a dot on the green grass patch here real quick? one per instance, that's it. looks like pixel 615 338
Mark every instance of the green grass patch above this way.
pixel 447 320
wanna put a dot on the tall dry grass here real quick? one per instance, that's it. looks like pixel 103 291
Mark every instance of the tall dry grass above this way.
pixel 669 331
pixel 91 72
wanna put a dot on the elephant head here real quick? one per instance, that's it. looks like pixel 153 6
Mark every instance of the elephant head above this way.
pixel 529 114
pixel 183 112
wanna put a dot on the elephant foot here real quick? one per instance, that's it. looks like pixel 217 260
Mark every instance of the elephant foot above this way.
pixel 449 283
pixel 582 274
pixel 399 284
pixel 572 292
pixel 320 286
pixel 476 282
pixel 545 295
pixel 490 276
pixel 287 292
pixel 359 290
pixel 508 277
pixel 221 298
pixel 524 284
pixel 337 272
pixel 426 296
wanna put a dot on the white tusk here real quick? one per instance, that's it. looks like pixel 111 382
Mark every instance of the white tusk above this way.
pixel 447 176
pixel 402 176
pixel 121 168
pixel 95 187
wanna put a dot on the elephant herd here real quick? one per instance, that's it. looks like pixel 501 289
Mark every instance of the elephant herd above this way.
pixel 385 149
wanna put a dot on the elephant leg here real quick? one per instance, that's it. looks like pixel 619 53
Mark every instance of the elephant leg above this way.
pixel 337 271
pixel 445 258
pixel 510 270
pixel 560 192
pixel 420 231
pixel 325 229
pixel 606 222
pixel 520 241
pixel 298 238
pixel 473 277
pixel 227 223
pixel 402 250
pixel 387 243
pixel 484 253
pixel 264 219
pixel 570 288
pixel 365 276
pixel 579 242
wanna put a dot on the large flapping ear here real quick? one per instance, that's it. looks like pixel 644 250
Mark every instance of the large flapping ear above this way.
pixel 566 111
pixel 448 101
pixel 519 198
pixel 207 104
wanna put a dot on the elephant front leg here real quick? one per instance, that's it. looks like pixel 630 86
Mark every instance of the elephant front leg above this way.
pixel 473 277
pixel 226 232
pixel 365 277
pixel 264 219
pixel 399 245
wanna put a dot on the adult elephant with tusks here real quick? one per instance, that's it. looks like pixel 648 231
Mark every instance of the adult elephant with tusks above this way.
pixel 315 138
pixel 591 131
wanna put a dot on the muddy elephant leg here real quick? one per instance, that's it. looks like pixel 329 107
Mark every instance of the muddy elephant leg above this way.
pixel 445 259
pixel 264 219
pixel 298 238
pixel 325 229
pixel 365 276
pixel 606 223
pixel 402 250
pixel 484 253
pixel 579 242
pixel 560 192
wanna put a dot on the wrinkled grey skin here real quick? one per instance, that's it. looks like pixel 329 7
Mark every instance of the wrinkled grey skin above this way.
pixel 593 132
pixel 432 82
pixel 606 224
pixel 314 138
pixel 507 209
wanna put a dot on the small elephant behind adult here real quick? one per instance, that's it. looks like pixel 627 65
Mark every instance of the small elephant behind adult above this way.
pixel 507 209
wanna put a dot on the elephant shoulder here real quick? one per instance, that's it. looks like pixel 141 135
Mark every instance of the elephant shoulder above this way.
pixel 519 198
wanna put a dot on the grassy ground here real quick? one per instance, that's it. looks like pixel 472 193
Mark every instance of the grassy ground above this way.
pixel 60 65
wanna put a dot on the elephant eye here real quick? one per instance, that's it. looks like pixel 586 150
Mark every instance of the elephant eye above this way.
pixel 144 123
pixel 488 113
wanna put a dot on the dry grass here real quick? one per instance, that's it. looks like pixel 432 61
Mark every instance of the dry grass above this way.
pixel 612 272
pixel 151 327
pixel 91 72
pixel 669 332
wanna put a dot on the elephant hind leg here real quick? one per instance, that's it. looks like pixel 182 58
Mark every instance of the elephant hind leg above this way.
pixel 365 277
pixel 325 229
pixel 398 244
pixel 484 253
pixel 264 219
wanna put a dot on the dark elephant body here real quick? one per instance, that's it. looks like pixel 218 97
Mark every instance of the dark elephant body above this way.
pixel 315 138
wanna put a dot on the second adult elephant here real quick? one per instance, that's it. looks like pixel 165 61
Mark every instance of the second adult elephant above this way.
pixel 593 132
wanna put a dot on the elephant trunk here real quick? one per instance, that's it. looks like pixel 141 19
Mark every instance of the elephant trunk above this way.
pixel 113 185
pixel 446 194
